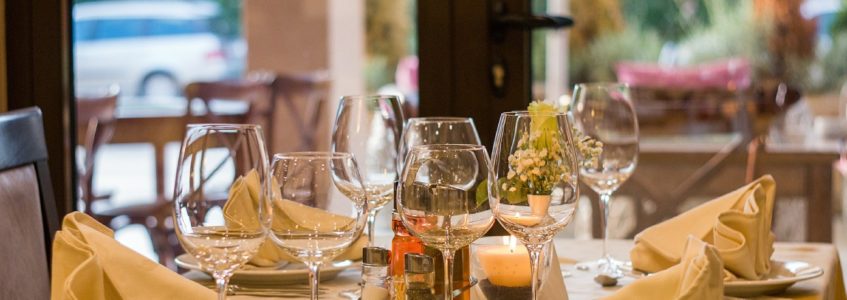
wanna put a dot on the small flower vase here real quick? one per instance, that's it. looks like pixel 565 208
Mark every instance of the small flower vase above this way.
pixel 539 204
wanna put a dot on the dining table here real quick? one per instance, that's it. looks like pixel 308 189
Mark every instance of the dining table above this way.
pixel 580 283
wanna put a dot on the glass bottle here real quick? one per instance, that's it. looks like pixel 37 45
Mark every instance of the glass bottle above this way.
pixel 376 280
pixel 419 277
pixel 402 244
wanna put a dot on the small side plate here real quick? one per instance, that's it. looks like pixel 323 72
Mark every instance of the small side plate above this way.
pixel 292 273
pixel 783 275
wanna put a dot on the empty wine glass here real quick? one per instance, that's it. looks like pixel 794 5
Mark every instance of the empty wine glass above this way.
pixel 220 197
pixel 437 130
pixel 442 198
pixel 535 191
pixel 369 127
pixel 320 207
pixel 604 112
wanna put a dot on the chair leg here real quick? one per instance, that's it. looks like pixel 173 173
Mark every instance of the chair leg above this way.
pixel 159 237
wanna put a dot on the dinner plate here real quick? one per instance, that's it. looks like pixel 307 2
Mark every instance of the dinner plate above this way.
pixel 290 273
pixel 783 275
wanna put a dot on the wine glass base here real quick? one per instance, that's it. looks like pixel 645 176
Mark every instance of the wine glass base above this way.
pixel 616 269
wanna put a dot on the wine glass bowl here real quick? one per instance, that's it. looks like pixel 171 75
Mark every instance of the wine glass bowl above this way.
pixel 442 198
pixel 320 207
pixel 221 206
pixel 369 127
pixel 604 113
pixel 437 130
pixel 536 188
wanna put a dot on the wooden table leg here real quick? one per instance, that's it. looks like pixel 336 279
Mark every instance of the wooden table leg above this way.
pixel 819 210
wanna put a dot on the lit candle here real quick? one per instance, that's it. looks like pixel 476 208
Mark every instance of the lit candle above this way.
pixel 529 220
pixel 506 265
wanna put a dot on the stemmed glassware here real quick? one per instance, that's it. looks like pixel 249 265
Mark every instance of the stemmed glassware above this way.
pixel 535 191
pixel 442 198
pixel 320 207
pixel 604 112
pixel 221 208
pixel 437 130
pixel 369 127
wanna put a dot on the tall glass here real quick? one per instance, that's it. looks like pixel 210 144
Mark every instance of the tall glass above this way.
pixel 320 207
pixel 604 112
pixel 536 186
pixel 442 198
pixel 220 197
pixel 369 127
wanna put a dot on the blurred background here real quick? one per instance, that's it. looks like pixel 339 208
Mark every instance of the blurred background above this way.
pixel 724 90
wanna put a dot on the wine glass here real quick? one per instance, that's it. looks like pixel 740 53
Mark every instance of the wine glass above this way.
pixel 604 113
pixel 535 191
pixel 437 130
pixel 369 127
pixel 320 207
pixel 221 208
pixel 442 198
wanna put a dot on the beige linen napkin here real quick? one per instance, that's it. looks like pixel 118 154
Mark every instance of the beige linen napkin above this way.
pixel 244 199
pixel 698 276
pixel 89 264
pixel 736 224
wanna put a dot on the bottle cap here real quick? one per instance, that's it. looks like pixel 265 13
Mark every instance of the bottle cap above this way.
pixel 375 256
pixel 418 263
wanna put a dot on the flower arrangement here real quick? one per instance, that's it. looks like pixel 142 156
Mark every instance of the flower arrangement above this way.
pixel 539 162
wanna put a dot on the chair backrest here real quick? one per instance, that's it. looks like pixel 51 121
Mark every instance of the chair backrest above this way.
pixel 28 217
pixel 313 89
pixel 254 91
pixel 95 127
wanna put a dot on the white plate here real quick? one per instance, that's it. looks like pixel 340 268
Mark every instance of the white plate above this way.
pixel 292 273
pixel 783 275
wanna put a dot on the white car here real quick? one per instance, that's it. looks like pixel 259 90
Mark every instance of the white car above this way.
pixel 148 48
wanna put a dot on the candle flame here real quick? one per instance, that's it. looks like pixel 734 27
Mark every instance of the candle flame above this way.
pixel 513 243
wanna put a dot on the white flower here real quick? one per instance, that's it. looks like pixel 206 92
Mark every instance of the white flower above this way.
pixel 512 189
pixel 511 174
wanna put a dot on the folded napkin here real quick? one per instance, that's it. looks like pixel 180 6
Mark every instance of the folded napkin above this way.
pixel 89 264
pixel 698 276
pixel 244 200
pixel 737 224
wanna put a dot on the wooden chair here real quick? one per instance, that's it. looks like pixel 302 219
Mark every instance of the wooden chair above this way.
pixel 302 96
pixel 311 90
pixel 28 217
pixel 95 126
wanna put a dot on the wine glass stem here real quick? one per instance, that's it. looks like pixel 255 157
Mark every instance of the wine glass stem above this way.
pixel 448 273
pixel 314 278
pixel 222 283
pixel 605 199
pixel 371 227
pixel 534 263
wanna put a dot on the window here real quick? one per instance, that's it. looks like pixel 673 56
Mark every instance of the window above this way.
pixel 83 30
pixel 117 29
pixel 158 27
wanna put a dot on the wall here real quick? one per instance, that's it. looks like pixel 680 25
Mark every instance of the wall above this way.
pixel 297 36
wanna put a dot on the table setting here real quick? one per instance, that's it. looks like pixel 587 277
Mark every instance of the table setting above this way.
pixel 300 225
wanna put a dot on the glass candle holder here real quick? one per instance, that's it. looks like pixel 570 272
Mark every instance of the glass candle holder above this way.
pixel 500 265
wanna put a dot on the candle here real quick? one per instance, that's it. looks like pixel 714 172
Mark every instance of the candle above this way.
pixel 528 220
pixel 505 265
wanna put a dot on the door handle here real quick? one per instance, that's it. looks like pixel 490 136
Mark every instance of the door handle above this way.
pixel 532 21
pixel 502 21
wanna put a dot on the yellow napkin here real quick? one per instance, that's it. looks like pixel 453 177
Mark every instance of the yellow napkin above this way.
pixel 244 199
pixel 737 224
pixel 698 276
pixel 89 264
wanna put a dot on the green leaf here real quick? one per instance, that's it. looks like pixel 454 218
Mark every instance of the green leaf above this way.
pixel 481 193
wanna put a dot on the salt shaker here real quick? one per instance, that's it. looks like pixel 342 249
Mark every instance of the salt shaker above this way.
pixel 376 279
pixel 420 277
